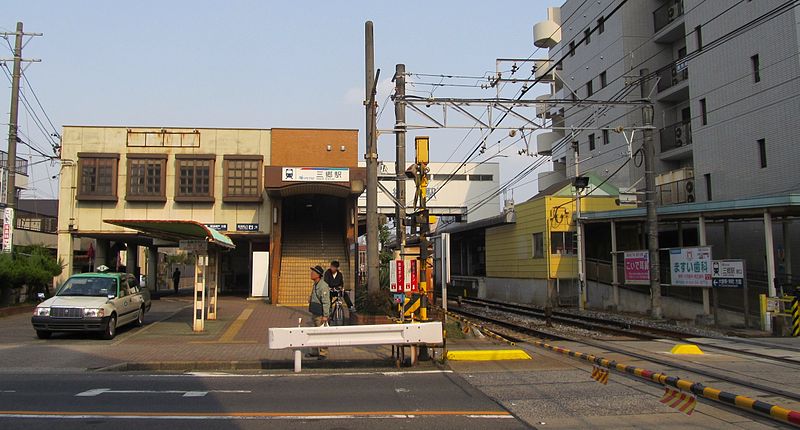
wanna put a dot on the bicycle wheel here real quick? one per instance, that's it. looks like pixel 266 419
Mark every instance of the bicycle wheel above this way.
pixel 337 314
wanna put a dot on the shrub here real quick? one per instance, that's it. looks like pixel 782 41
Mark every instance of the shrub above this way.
pixel 33 266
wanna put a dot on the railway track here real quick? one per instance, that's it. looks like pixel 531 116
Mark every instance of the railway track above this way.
pixel 628 329
pixel 519 327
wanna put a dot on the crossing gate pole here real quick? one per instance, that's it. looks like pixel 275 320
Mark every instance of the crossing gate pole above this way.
pixel 795 311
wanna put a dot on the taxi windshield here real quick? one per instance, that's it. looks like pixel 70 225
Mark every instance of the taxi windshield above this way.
pixel 93 287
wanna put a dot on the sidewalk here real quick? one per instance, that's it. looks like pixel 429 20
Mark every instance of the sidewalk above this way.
pixel 236 341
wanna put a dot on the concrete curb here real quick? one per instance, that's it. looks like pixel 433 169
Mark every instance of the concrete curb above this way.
pixel 251 365
pixel 16 310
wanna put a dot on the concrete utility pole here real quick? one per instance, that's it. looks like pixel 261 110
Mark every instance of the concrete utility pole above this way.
pixel 373 261
pixel 579 228
pixel 652 216
pixel 400 157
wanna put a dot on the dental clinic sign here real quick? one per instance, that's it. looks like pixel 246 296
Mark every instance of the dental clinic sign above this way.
pixel 637 268
pixel 315 174
pixel 690 267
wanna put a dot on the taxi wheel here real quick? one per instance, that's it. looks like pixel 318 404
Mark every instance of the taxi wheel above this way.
pixel 43 334
pixel 111 328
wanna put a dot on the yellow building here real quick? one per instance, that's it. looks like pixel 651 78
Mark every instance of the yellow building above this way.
pixel 539 248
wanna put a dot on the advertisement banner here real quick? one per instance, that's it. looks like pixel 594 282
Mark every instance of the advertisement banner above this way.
pixel 396 276
pixel 414 276
pixel 637 267
pixel 690 267
pixel 8 232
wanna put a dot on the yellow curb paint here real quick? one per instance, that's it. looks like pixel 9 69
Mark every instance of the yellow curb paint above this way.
pixel 235 326
pixel 488 355
pixel 686 349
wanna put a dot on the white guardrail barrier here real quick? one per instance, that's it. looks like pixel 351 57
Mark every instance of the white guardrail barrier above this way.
pixel 297 338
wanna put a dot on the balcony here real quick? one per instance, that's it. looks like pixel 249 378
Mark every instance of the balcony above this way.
pixel 673 83
pixel 22 164
pixel 542 70
pixel 543 109
pixel 546 141
pixel 676 141
pixel 548 179
pixel 668 22
pixel 547 34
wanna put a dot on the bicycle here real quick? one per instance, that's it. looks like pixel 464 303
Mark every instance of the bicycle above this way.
pixel 337 307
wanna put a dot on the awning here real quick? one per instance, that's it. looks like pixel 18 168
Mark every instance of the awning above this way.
pixel 175 230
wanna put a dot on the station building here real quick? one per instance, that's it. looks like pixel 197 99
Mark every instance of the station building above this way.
pixel 281 200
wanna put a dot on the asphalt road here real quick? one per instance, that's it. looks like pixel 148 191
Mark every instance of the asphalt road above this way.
pixel 358 400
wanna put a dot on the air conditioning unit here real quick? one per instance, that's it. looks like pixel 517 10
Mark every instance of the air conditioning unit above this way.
pixel 688 186
pixel 678 136
pixel 672 12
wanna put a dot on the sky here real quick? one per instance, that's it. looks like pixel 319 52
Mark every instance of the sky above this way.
pixel 258 64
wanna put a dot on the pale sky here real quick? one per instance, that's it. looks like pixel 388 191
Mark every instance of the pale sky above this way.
pixel 255 64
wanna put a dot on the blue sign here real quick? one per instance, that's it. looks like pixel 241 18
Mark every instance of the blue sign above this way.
pixel 218 227
pixel 398 298
pixel 246 227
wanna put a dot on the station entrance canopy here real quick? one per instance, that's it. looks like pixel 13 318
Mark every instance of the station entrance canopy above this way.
pixel 176 230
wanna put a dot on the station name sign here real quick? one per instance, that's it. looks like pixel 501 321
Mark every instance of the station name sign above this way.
pixel 218 227
pixel 315 174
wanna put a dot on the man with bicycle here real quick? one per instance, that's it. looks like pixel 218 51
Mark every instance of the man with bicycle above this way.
pixel 319 304
pixel 334 278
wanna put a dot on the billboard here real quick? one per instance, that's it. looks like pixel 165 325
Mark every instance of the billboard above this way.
pixel 690 267
pixel 637 267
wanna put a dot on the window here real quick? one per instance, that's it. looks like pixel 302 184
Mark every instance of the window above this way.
pixel 703 112
pixel 561 243
pixel 538 245
pixel 589 89
pixel 698 35
pixel 572 48
pixel 242 178
pixel 97 176
pixel 756 68
pixel 481 177
pixel 762 152
pixel 574 96
pixel 601 25
pixel 591 142
pixel 707 177
pixel 194 178
pixel 606 137
pixel 587 35
pixel 147 177
pixel 603 79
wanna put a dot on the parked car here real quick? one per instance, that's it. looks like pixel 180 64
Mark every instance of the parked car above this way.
pixel 95 302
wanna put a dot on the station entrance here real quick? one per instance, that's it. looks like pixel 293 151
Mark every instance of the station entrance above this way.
pixel 313 232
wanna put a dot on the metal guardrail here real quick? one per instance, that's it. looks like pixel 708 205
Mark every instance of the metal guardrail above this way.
pixel 297 338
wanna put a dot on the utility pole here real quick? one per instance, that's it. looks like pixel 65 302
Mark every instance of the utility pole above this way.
pixel 652 216
pixel 13 121
pixel 373 261
pixel 400 157
pixel 579 186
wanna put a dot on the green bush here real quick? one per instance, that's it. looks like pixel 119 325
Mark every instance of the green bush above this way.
pixel 33 266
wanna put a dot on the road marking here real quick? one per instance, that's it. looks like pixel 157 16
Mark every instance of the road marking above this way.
pixel 235 326
pixel 401 390
pixel 254 415
pixel 98 391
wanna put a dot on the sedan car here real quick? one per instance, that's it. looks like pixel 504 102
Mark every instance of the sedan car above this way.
pixel 92 302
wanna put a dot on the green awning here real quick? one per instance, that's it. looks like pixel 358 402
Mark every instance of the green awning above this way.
pixel 175 230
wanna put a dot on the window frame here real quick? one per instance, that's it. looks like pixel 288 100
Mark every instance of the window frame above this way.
pixel 563 242
pixel 589 88
pixel 603 79
pixel 606 137
pixel 592 142
pixel 762 152
pixel 709 195
pixel 587 35
pixel 537 246
pixel 703 112
pixel 242 198
pixel 84 157
pixel 194 198
pixel 755 62
pixel 162 159
pixel 601 25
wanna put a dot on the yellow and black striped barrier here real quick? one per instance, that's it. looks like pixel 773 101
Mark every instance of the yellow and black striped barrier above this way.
pixel 795 311
pixel 773 411
pixel 600 375
pixel 677 399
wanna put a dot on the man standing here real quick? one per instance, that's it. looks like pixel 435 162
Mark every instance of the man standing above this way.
pixel 176 279
pixel 319 304
pixel 333 277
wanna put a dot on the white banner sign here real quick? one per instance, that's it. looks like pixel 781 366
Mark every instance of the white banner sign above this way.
pixel 690 267
pixel 8 231
pixel 316 174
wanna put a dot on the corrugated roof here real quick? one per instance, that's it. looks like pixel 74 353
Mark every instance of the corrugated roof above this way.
pixel 176 230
